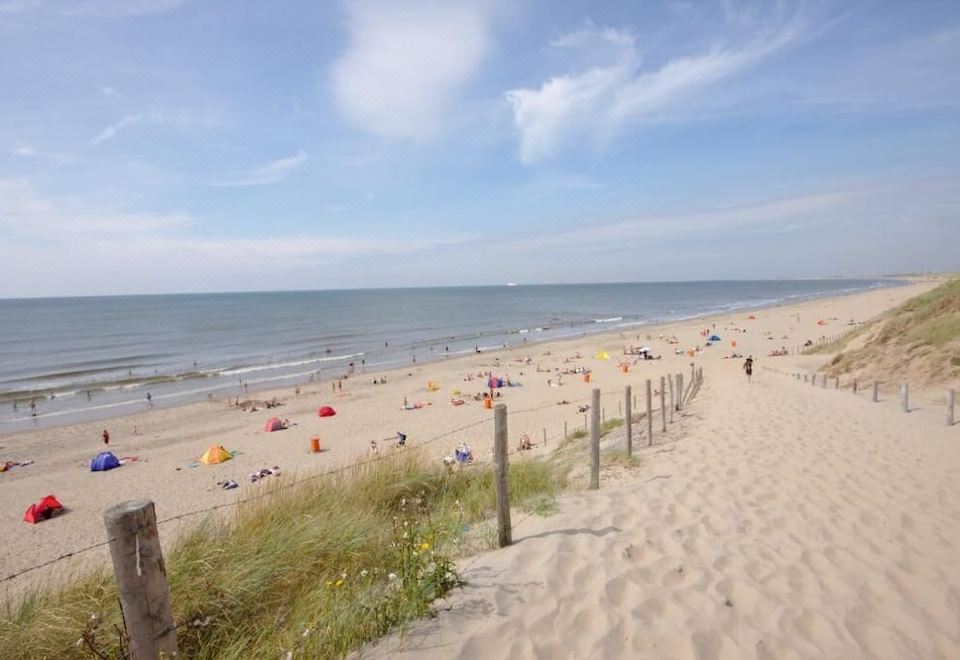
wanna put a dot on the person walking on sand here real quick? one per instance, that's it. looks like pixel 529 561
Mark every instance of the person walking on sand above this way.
pixel 748 367
pixel 106 437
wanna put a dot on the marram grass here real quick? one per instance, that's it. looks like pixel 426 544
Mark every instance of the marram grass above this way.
pixel 316 570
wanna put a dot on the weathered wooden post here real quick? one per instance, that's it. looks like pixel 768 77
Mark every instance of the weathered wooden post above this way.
pixel 595 442
pixel 141 579
pixel 544 437
pixel 876 391
pixel 951 400
pixel 649 413
pixel 905 397
pixel 663 404
pixel 670 380
pixel 603 415
pixel 585 421
pixel 854 385
pixel 628 418
pixel 824 384
pixel 564 429
pixel 500 467
pixel 679 392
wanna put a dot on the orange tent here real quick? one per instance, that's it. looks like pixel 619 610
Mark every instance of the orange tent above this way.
pixel 215 454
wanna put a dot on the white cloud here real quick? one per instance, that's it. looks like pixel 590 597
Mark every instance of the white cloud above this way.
pixel 271 172
pixel 406 63
pixel 68 247
pixel 26 151
pixel 18 6
pixel 26 213
pixel 110 92
pixel 601 100
pixel 119 8
pixel 180 119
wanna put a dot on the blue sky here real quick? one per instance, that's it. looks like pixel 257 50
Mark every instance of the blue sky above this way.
pixel 154 146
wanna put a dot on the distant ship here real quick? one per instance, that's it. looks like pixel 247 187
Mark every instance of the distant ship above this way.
pixel 512 284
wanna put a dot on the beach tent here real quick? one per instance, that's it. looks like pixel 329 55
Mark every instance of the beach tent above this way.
pixel 714 338
pixel 495 383
pixel 104 461
pixel 274 424
pixel 42 510
pixel 602 355
pixel 215 454
pixel 326 411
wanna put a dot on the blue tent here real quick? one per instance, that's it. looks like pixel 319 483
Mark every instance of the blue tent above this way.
pixel 104 461
pixel 714 338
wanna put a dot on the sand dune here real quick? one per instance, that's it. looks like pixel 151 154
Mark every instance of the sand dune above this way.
pixel 790 522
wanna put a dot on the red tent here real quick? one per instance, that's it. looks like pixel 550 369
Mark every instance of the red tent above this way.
pixel 326 411
pixel 42 510
pixel 274 424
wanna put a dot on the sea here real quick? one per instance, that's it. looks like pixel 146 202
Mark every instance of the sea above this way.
pixel 64 360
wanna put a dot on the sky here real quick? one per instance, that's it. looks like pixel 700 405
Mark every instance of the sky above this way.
pixel 155 146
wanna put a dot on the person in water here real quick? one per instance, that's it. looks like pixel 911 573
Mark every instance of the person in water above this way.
pixel 748 367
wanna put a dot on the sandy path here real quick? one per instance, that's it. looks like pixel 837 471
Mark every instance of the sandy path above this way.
pixel 792 522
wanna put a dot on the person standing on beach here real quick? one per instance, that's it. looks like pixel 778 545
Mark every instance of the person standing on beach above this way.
pixel 106 437
pixel 33 407
pixel 149 399
pixel 748 367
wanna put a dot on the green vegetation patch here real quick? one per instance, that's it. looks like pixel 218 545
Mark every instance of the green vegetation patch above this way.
pixel 319 568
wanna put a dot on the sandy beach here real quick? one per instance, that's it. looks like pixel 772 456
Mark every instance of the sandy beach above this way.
pixel 773 501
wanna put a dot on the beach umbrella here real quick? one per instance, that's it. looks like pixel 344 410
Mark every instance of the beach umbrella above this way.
pixel 714 338
pixel 326 411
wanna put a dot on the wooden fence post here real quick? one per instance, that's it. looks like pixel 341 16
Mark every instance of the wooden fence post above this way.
pixel 595 442
pixel 627 396
pixel 663 403
pixel 824 384
pixel 500 467
pixel 876 391
pixel 854 385
pixel 564 429
pixel 141 579
pixel 679 392
pixel 951 400
pixel 649 413
pixel 619 409
pixel 544 437
pixel 603 415
pixel 670 380
pixel 905 397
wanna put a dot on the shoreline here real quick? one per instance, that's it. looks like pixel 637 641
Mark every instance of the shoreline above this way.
pixel 169 441
pixel 276 385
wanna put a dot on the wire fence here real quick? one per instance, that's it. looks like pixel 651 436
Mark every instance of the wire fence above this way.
pixel 313 476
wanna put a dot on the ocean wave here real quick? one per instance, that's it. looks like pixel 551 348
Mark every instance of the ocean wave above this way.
pixel 283 365
pixel 612 319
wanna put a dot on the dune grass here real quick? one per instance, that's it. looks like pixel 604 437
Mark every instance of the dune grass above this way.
pixel 920 338
pixel 316 569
